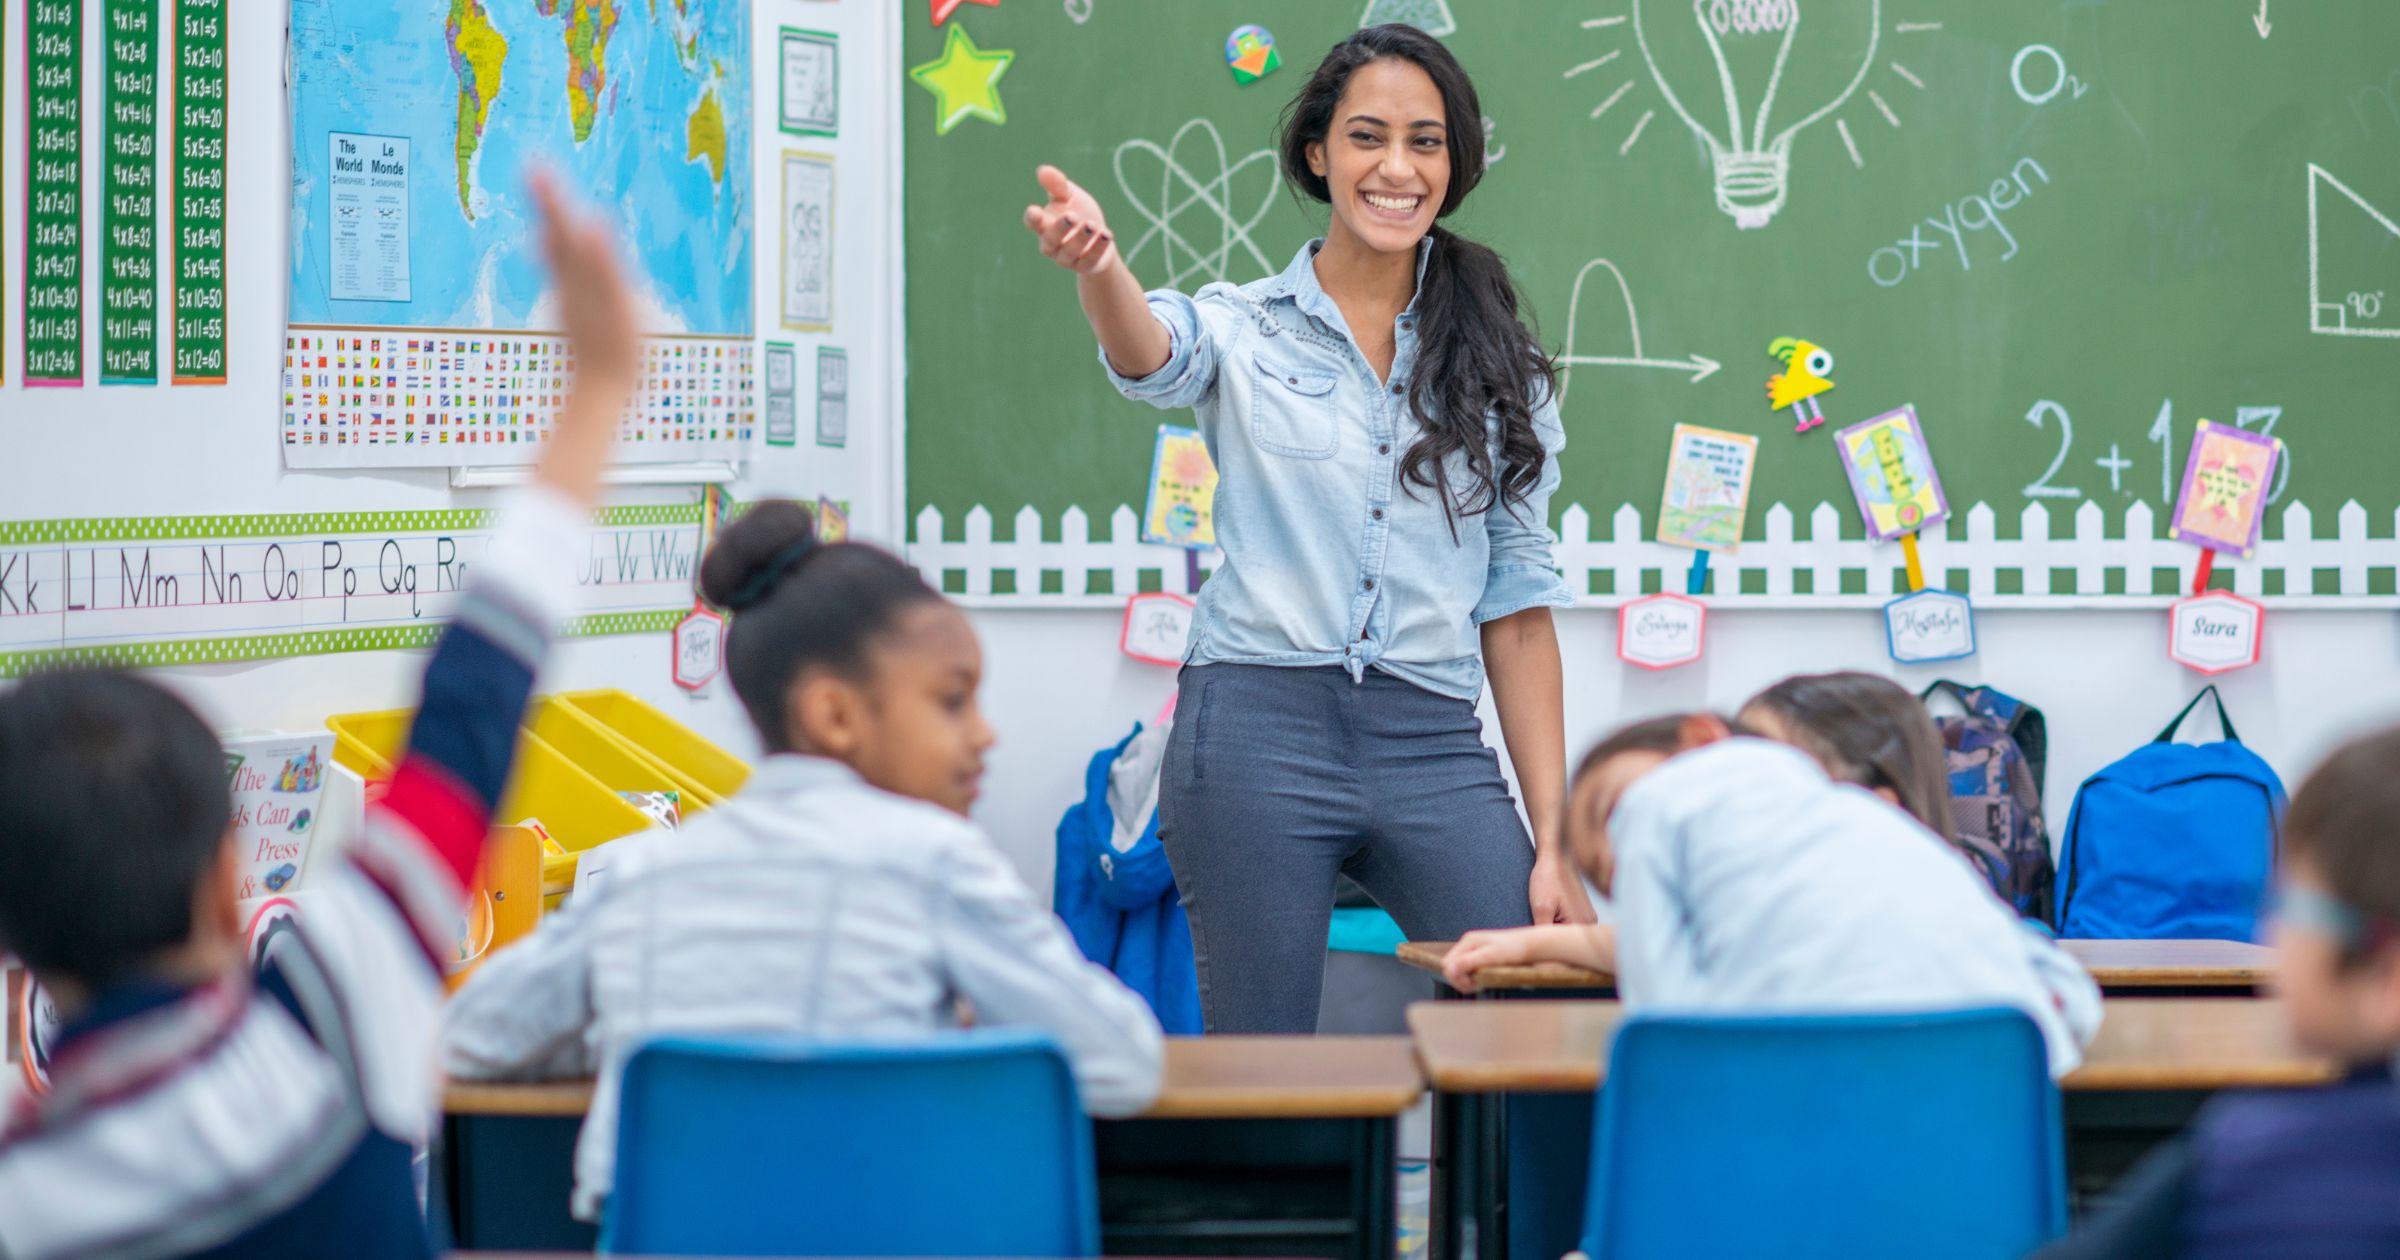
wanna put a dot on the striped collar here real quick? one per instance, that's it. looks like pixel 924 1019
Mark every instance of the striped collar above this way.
pixel 132 1038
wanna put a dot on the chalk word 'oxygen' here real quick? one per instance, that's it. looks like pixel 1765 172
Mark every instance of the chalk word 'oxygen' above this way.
pixel 1891 264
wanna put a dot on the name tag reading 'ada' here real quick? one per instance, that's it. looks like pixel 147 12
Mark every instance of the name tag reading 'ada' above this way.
pixel 1661 631
pixel 2215 632
pixel 1930 626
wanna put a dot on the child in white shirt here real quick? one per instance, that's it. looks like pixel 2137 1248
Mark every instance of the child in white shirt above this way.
pixel 1744 877
pixel 840 894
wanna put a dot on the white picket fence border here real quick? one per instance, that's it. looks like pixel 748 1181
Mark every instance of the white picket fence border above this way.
pixel 1628 554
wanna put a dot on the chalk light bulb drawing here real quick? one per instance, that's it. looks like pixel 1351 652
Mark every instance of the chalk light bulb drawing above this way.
pixel 1738 68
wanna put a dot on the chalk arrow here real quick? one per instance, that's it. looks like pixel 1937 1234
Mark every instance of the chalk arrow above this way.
pixel 2261 21
pixel 1699 365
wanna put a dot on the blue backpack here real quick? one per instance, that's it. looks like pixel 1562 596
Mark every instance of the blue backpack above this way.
pixel 2175 841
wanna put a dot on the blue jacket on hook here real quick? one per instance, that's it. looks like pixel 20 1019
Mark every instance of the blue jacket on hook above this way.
pixel 1121 905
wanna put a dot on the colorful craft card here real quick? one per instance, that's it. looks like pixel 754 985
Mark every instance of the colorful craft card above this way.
pixel 1250 54
pixel 2225 482
pixel 1891 472
pixel 1708 488
pixel 1183 491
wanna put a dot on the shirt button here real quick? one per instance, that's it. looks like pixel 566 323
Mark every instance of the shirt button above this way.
pixel 1407 324
pixel 1384 449
pixel 1291 380
pixel 1377 514
pixel 1398 390
pixel 1370 584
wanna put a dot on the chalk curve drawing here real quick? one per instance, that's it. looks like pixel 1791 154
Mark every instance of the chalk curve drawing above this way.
pixel 1752 169
pixel 2339 318
pixel 1182 192
pixel 1700 367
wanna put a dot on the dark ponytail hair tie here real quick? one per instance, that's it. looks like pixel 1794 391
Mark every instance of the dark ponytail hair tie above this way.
pixel 770 575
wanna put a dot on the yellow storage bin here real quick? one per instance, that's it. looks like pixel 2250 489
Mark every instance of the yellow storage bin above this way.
pixel 700 766
pixel 607 757
pixel 578 810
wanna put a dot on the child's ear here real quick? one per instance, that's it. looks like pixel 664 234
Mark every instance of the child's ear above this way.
pixel 216 896
pixel 1889 796
pixel 826 712
pixel 1702 729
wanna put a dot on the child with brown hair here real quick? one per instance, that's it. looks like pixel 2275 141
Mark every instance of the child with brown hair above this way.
pixel 1745 877
pixel 2300 1173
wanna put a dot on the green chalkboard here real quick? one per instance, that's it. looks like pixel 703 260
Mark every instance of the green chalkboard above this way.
pixel 2065 231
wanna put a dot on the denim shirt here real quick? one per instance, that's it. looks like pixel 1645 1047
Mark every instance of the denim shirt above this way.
pixel 1329 559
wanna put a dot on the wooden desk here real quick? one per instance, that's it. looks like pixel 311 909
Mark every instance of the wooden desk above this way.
pixel 2153 1062
pixel 2121 968
pixel 1283 1143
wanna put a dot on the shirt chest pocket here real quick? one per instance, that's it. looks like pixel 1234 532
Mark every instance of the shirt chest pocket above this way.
pixel 1292 411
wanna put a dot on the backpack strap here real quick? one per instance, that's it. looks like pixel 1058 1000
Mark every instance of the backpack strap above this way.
pixel 2224 719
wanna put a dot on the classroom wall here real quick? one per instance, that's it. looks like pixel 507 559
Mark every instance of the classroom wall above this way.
pixel 157 451
pixel 1057 691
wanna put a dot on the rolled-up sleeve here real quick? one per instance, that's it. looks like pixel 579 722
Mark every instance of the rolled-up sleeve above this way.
pixel 1198 329
pixel 1524 567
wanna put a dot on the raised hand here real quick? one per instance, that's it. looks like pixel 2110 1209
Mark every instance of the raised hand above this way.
pixel 1073 232
pixel 597 309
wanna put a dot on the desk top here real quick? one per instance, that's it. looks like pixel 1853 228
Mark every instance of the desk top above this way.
pixel 2144 1044
pixel 1212 1078
pixel 2113 964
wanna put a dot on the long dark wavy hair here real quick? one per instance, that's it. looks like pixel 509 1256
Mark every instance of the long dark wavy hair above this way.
pixel 1477 358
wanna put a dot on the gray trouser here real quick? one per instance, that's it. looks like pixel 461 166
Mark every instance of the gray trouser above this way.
pixel 1276 779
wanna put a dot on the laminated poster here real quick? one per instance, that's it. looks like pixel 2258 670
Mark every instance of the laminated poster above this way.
pixel 1707 496
pixel 278 784
pixel 2224 496
pixel 1891 473
pixel 1183 491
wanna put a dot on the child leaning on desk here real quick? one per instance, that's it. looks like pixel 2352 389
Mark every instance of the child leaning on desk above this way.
pixel 2300 1174
pixel 1746 878
pixel 841 894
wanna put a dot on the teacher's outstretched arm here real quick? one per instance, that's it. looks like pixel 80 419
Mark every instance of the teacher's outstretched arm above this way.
pixel 1074 234
pixel 1520 655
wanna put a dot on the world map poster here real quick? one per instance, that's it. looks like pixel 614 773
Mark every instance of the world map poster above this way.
pixel 423 325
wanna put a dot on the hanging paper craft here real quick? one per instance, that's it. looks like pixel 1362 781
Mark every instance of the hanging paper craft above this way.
pixel 1707 495
pixel 1807 372
pixel 2215 632
pixel 278 787
pixel 1250 52
pixel 1661 631
pixel 1891 472
pixel 1158 625
pixel 699 649
pixel 964 80
pixel 942 9
pixel 2225 485
pixel 1929 625
pixel 1183 491
pixel 833 522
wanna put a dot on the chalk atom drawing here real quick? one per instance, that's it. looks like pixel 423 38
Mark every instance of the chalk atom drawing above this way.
pixel 2359 303
pixel 1430 16
pixel 1700 366
pixel 1200 196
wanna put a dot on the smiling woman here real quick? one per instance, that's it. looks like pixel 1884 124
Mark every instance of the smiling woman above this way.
pixel 1386 434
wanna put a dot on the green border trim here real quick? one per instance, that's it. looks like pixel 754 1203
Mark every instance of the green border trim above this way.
pixel 279 525
pixel 262 647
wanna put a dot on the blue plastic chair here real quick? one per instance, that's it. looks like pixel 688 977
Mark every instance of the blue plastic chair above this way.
pixel 1930 1136
pixel 967 1144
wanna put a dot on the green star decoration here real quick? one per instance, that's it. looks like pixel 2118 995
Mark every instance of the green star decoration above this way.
pixel 965 81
